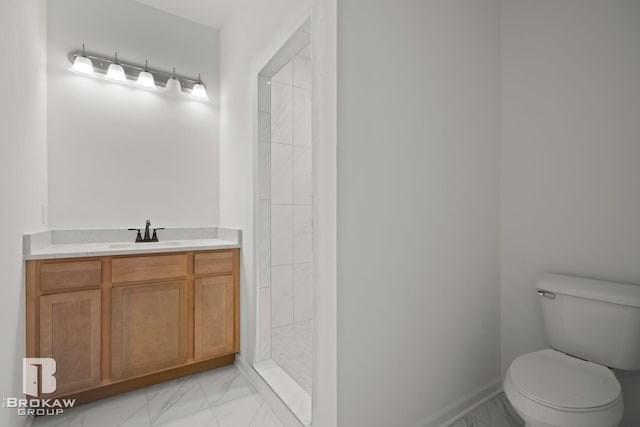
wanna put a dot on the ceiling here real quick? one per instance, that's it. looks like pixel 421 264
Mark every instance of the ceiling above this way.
pixel 212 13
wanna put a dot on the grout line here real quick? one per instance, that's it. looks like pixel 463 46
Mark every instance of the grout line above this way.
pixel 293 185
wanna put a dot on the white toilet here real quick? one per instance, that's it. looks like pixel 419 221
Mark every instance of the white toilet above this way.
pixel 592 326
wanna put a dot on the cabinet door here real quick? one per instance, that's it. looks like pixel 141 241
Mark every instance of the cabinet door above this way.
pixel 214 317
pixel 70 334
pixel 148 328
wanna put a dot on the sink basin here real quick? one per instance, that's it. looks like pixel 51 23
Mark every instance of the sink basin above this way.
pixel 143 245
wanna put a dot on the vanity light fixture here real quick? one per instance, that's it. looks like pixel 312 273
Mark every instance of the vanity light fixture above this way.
pixel 113 69
pixel 82 65
pixel 145 78
pixel 199 92
pixel 116 72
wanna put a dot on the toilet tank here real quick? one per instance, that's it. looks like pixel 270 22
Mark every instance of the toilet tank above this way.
pixel 592 320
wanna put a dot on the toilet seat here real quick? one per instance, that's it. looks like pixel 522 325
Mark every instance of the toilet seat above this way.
pixel 556 380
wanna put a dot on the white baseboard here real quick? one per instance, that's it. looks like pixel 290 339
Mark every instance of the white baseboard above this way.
pixel 281 410
pixel 463 406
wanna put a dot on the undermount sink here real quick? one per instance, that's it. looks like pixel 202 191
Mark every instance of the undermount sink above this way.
pixel 143 245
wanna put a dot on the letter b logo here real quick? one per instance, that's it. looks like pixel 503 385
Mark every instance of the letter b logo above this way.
pixel 38 371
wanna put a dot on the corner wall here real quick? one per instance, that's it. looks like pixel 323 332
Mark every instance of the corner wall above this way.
pixel 570 153
pixel 418 267
pixel 23 173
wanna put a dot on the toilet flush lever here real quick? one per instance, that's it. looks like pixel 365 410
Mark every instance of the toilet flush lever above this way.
pixel 546 294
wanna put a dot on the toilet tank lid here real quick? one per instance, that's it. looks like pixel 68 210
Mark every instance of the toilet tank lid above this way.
pixel 598 290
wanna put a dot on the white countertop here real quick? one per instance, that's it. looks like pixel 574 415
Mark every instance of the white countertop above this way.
pixel 89 243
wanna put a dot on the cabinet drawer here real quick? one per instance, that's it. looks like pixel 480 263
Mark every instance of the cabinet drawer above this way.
pixel 213 262
pixel 137 269
pixel 70 275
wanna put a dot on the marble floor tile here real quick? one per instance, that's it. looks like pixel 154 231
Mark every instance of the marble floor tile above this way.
pixel 175 399
pixel 204 418
pixel 218 398
pixel 73 417
pixel 224 385
pixel 496 412
pixel 468 421
pixel 126 410
pixel 249 411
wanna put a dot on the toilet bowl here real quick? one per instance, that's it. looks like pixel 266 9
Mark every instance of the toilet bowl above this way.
pixel 592 326
pixel 551 389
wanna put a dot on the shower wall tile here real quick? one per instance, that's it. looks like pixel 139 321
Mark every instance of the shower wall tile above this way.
pixel 264 324
pixel 284 75
pixel 302 72
pixel 264 244
pixel 301 117
pixel 301 176
pixel 281 113
pixel 302 292
pixel 281 235
pixel 264 155
pixel 281 173
pixel 264 95
pixel 281 295
pixel 302 232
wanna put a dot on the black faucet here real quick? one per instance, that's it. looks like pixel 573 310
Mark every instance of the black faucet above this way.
pixel 147 238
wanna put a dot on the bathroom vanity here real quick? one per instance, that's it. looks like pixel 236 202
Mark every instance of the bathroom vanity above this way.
pixel 117 317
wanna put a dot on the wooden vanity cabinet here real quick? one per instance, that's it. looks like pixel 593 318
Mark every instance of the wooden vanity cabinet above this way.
pixel 115 324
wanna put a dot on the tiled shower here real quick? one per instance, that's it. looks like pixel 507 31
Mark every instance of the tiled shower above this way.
pixel 285 276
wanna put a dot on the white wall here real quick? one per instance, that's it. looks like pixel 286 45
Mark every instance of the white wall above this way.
pixel 570 151
pixel 324 25
pixel 23 173
pixel 418 274
pixel 119 155
pixel 248 41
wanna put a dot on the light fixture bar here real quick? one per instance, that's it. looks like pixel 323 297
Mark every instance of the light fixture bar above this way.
pixel 132 70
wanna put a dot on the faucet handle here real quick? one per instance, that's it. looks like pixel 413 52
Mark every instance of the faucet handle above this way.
pixel 139 236
pixel 154 238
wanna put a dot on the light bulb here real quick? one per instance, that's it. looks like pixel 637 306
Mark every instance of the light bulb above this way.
pixel 145 80
pixel 199 92
pixel 115 72
pixel 173 86
pixel 82 65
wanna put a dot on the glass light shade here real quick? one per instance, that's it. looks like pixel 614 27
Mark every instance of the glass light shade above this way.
pixel 116 73
pixel 145 80
pixel 82 65
pixel 199 92
pixel 173 87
